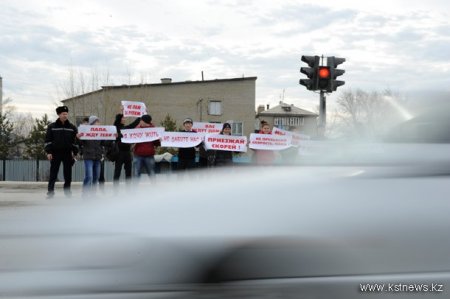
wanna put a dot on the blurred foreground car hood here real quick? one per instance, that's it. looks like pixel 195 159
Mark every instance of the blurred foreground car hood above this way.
pixel 231 225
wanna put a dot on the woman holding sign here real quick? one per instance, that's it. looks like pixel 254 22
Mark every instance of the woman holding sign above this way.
pixel 224 158
pixel 264 157
pixel 186 156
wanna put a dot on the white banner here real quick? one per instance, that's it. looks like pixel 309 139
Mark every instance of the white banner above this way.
pixel 181 139
pixel 87 132
pixel 140 135
pixel 296 137
pixel 207 128
pixel 269 142
pixel 134 109
pixel 226 143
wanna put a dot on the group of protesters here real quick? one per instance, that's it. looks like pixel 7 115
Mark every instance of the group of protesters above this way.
pixel 63 145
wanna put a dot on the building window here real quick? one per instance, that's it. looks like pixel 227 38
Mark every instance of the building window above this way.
pixel 288 121
pixel 237 128
pixel 215 108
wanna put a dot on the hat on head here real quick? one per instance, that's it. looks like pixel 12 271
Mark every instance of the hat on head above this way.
pixel 188 120
pixel 226 126
pixel 146 118
pixel 92 119
pixel 61 109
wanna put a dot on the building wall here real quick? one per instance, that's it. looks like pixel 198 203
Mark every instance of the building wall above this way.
pixel 179 100
pixel 308 127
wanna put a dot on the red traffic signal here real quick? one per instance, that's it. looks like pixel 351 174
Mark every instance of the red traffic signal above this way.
pixel 324 76
pixel 324 72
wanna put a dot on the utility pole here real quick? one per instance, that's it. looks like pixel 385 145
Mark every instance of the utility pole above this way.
pixel 322 114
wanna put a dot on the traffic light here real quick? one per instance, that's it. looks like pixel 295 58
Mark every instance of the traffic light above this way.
pixel 332 63
pixel 323 78
pixel 310 72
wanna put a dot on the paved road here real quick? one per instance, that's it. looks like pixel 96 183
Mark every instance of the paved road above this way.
pixel 21 194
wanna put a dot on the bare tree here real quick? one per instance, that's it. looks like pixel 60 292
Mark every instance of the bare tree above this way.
pixel 365 114
pixel 14 128
pixel 23 124
pixel 78 82
pixel 4 106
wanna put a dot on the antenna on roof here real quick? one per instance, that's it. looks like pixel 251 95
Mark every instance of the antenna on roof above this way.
pixel 282 97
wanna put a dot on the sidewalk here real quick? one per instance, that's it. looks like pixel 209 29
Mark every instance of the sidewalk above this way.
pixel 20 193
pixel 35 185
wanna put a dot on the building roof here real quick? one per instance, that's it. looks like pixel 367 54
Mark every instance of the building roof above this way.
pixel 162 84
pixel 284 109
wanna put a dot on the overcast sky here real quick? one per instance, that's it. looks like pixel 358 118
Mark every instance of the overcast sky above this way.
pixel 396 44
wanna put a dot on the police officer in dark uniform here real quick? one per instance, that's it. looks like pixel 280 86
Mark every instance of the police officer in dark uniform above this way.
pixel 60 146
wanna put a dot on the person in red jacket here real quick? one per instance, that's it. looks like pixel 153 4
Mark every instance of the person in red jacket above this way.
pixel 144 152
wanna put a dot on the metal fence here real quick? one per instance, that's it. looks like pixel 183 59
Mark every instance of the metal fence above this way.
pixel 32 170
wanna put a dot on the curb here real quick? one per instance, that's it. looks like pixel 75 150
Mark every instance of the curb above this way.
pixel 35 185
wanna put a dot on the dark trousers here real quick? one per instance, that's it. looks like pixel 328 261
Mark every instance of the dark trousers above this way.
pixel 66 159
pixel 203 162
pixel 124 159
pixel 186 163
pixel 101 178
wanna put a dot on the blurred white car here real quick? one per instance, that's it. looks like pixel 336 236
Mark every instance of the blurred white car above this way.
pixel 372 227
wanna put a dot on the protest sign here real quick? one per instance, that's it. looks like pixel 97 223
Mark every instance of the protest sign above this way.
pixel 269 142
pixel 86 132
pixel 181 139
pixel 207 128
pixel 296 137
pixel 140 135
pixel 226 143
pixel 133 109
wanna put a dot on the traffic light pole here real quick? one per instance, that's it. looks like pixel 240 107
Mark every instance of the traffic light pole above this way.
pixel 322 114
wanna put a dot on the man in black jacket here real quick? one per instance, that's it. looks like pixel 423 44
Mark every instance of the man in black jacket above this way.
pixel 60 146
pixel 124 158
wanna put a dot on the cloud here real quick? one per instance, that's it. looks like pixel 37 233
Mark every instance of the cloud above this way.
pixel 307 17
pixel 392 46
